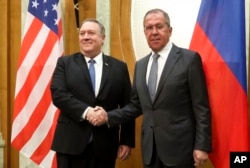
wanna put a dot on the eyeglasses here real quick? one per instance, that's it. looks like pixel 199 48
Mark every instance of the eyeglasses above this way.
pixel 158 27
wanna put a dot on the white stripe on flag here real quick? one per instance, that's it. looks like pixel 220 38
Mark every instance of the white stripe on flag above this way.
pixel 41 132
pixel 47 161
pixel 30 58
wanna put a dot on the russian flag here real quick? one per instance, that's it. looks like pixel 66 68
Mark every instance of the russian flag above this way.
pixel 219 36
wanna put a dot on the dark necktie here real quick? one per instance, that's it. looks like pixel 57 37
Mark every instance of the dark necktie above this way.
pixel 92 72
pixel 152 79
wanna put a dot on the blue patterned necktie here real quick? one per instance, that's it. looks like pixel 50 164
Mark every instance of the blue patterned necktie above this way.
pixel 92 72
pixel 152 79
pixel 92 77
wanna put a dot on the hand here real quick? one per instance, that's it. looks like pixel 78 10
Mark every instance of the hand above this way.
pixel 200 157
pixel 97 116
pixel 124 152
pixel 90 115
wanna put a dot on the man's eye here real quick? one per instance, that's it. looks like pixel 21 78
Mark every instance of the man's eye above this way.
pixel 156 27
pixel 148 28
pixel 159 27
pixel 87 33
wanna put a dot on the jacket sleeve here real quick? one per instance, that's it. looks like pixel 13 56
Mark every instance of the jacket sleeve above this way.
pixel 127 130
pixel 201 107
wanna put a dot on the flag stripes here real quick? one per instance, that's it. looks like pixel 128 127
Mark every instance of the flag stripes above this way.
pixel 219 37
pixel 34 116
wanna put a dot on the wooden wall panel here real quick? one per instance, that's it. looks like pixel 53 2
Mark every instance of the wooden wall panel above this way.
pixel 3 73
pixel 10 33
pixel 121 48
pixel 14 43
pixel 120 39
pixel 87 9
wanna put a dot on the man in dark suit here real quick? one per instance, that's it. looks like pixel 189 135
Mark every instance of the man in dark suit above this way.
pixel 78 144
pixel 176 126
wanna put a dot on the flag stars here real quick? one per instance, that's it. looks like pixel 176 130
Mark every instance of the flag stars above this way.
pixel 46 12
pixel 35 4
pixel 54 7
pixel 56 21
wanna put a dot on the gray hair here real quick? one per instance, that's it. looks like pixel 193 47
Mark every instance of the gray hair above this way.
pixel 102 28
pixel 157 10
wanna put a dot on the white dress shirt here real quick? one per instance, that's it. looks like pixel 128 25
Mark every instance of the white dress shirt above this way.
pixel 98 76
pixel 98 71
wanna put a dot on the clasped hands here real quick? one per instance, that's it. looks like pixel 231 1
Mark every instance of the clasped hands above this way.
pixel 97 116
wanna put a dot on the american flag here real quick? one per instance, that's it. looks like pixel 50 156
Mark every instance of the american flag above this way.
pixel 34 115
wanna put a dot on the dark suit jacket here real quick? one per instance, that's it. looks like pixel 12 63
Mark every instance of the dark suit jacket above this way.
pixel 179 118
pixel 72 93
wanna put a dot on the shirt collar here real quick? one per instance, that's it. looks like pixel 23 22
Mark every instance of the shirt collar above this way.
pixel 165 51
pixel 98 58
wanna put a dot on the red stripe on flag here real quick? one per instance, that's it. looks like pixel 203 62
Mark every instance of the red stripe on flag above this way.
pixel 34 120
pixel 228 102
pixel 43 149
pixel 60 30
pixel 29 38
pixel 34 73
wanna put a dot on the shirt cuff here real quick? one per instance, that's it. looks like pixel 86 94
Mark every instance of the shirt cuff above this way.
pixel 84 115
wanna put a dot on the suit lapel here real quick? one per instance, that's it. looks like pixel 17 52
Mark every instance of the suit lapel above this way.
pixel 105 71
pixel 174 55
pixel 143 73
pixel 82 64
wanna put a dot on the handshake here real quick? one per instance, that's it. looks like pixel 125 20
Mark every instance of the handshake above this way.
pixel 97 116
